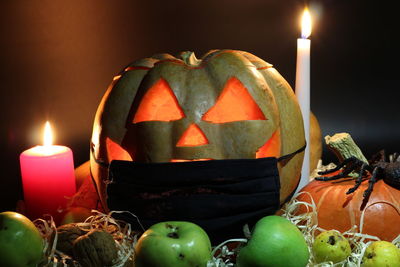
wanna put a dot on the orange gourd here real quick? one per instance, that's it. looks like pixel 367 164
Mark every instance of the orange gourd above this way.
pixel 339 211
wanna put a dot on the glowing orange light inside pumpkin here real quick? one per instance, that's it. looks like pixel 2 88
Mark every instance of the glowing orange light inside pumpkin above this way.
pixel 187 160
pixel 234 104
pixel 115 151
pixel 159 104
pixel 271 148
pixel 193 136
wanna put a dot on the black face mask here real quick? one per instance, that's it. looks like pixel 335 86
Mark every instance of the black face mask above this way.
pixel 219 195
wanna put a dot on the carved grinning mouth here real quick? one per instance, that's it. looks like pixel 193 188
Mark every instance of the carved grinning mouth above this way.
pixel 271 148
pixel 186 160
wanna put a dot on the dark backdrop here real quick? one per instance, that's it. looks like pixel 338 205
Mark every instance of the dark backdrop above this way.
pixel 58 57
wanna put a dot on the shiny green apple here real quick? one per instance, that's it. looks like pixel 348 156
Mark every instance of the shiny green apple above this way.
pixel 381 254
pixel 274 242
pixel 331 246
pixel 173 244
pixel 21 244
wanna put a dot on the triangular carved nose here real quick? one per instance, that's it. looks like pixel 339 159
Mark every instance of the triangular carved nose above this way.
pixel 193 136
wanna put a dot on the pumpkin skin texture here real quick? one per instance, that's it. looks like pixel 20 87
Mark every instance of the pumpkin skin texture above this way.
pixel 339 211
pixel 232 103
pixel 315 142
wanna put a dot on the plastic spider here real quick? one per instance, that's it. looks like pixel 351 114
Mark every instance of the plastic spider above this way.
pixel 377 167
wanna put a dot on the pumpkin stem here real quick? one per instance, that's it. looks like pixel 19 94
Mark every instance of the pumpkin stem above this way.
pixel 344 147
pixel 190 58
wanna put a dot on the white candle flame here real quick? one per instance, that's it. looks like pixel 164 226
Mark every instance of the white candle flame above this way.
pixel 306 24
pixel 48 136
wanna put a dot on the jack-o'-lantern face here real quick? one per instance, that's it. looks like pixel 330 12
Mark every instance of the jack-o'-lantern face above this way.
pixel 229 105
pixel 168 125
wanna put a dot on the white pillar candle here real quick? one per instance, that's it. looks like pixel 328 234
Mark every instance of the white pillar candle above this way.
pixel 302 89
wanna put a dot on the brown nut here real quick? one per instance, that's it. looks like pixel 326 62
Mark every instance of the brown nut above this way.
pixel 96 248
pixel 66 236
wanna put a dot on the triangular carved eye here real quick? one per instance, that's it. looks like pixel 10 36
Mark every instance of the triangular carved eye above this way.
pixel 159 104
pixel 234 104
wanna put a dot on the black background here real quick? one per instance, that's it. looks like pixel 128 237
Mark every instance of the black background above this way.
pixel 58 57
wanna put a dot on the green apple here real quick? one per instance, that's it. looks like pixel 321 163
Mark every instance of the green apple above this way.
pixel 331 246
pixel 173 244
pixel 381 254
pixel 274 242
pixel 21 243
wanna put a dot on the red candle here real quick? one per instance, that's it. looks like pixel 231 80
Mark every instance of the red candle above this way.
pixel 48 178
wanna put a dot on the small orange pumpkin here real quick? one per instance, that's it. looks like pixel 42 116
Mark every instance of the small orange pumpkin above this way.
pixel 339 211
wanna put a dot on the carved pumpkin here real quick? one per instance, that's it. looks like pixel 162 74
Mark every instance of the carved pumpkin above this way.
pixel 339 211
pixel 228 105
